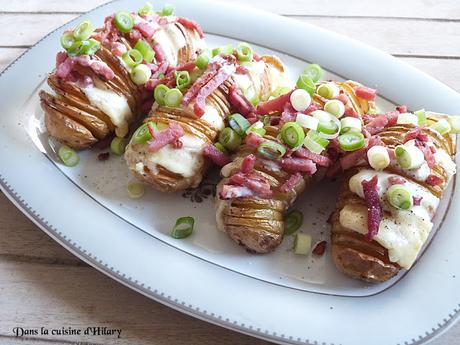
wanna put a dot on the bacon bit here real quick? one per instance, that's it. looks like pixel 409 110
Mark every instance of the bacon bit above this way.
pixel 99 67
pixel 320 160
pixel 146 29
pixel 162 68
pixel 375 141
pixel 417 200
pixel 248 163
pixel 60 58
pixel 200 82
pixel 401 108
pixel 239 102
pixel 299 165
pixel 159 53
pixel 311 108
pixel 192 25
pixel 275 120
pixel 366 93
pixel 392 117
pixel 103 156
pixel 417 134
pixel 374 209
pixel 350 160
pixel 291 183
pixel 427 153
pixel 392 154
pixel 377 124
pixel 218 157
pixel 256 57
pixel 135 35
pixel 396 180
pixel 146 106
pixel 253 181
pixel 289 114
pixel 222 75
pixel 342 98
pixel 241 70
pixel 335 170
pixel 178 144
pixel 433 149
pixel 65 67
pixel 164 137
pixel 433 180
pixel 188 66
pixel 351 112
pixel 320 248
pixel 273 105
pixel 233 192
pixel 253 139
pixel 118 49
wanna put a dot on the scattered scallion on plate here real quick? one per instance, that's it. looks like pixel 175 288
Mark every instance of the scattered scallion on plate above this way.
pixel 124 21
pixel 118 146
pixel 302 244
pixel 292 222
pixel 183 227
pixel 136 190
pixel 68 156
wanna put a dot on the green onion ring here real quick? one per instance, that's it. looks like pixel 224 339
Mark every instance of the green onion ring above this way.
pixel 68 156
pixel 118 146
pixel 182 79
pixel 183 227
pixel 203 59
pixel 238 123
pixel 173 98
pixel 292 134
pixel 244 52
pixel 124 21
pixel 399 197
pixel 132 58
pixel 229 139
pixel 292 222
pixel 83 31
pixel 67 40
pixel 314 71
pixel 159 93
pixel 271 150
pixel 146 50
pixel 351 141
pixel 142 134
pixel 305 82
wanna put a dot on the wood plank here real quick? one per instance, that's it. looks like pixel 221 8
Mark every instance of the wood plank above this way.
pixel 8 55
pixel 34 296
pixel 445 9
pixel 406 37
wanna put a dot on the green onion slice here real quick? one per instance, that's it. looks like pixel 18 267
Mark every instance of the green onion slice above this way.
pixel 136 190
pixel 378 157
pixel 183 227
pixel 146 50
pixel 142 134
pixel 244 52
pixel 314 135
pixel 173 98
pixel 281 90
pixel 118 146
pixel 140 74
pixel 182 79
pixel 124 21
pixel 146 9
pixel 159 93
pixel 351 141
pixel 89 47
pixel 225 50
pixel 329 126
pixel 328 90
pixel 313 146
pixel 304 82
pixel 271 150
pixel 238 123
pixel 399 197
pixel 409 156
pixel 221 147
pixel 75 48
pixel 229 139
pixel 67 40
pixel 350 124
pixel 302 244
pixel 292 222
pixel 442 126
pixel 421 116
pixel 335 107
pixel 132 58
pixel 83 31
pixel 68 156
pixel 292 134
pixel 203 59
pixel 314 71
pixel 168 10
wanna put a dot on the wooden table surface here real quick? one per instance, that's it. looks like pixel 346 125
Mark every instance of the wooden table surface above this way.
pixel 41 284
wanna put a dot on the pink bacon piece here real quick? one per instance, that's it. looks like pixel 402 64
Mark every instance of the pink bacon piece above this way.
pixel 165 137
pixel 374 209
pixel 214 154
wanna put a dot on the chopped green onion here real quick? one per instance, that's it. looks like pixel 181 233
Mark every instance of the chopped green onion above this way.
pixel 313 146
pixel 159 93
pixel 421 116
pixel 230 139
pixel 328 90
pixel 374 110
pixel 335 107
pixel 302 244
pixel 300 99
pixel 225 50
pixel 304 82
pixel 292 222
pixel 271 149
pixel 75 48
pixel 118 146
pixel 168 10
pixel 142 134
pixel 454 122
pixel 136 190
pixel 203 59
pixel 238 123
pixel 409 156
pixel 314 135
pixel 350 124
pixel 399 197
pixel 132 58
pixel 83 31
pixel 244 52
pixel 89 47
pixel 314 71
pixel 67 40
pixel 351 141
pixel 407 118
pixel 140 74
pixel 124 21
pixel 68 156
pixel 307 121
pixel 182 79
pixel 280 90
pixel 221 147
pixel 442 126
pixel 183 227
pixel 146 9
pixel 292 134
pixel 146 50
pixel 378 157
pixel 257 128
pixel 173 98
pixel 329 126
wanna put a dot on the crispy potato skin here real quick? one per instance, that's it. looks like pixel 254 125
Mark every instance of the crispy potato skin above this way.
pixel 351 253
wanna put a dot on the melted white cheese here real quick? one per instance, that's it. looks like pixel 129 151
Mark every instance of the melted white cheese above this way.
pixel 113 105
pixel 446 162
pixel 171 39
pixel 403 232
pixel 211 116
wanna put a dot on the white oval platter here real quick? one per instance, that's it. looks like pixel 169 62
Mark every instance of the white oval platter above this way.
pixel 279 297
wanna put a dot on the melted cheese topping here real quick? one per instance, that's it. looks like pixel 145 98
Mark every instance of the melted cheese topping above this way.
pixel 171 40
pixel 211 116
pixel 403 232
pixel 113 105
pixel 446 162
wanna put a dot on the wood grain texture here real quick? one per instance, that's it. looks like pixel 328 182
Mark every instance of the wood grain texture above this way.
pixel 41 284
